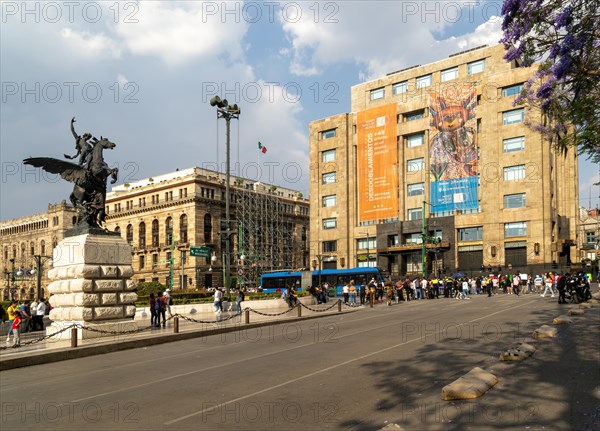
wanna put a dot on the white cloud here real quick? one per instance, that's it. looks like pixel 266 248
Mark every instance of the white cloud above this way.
pixel 89 45
pixel 179 31
pixel 382 37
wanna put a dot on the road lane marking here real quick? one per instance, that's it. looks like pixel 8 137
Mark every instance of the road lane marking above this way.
pixel 321 371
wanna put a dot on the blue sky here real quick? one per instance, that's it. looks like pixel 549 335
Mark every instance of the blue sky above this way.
pixel 141 73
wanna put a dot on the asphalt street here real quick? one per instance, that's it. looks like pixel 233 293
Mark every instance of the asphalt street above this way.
pixel 357 371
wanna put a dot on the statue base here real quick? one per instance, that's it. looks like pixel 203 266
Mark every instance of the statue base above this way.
pixel 91 283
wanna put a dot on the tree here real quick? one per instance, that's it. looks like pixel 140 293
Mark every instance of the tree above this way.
pixel 563 37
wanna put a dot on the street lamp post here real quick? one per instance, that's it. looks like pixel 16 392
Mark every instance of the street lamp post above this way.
pixel 39 264
pixel 228 112
pixel 11 285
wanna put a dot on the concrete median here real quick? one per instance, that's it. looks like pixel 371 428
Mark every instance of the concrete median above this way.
pixel 472 385
pixel 518 353
pixel 545 331
pixel 562 320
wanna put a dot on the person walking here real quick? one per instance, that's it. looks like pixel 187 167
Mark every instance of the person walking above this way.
pixel 465 289
pixel 346 292
pixel 153 312
pixel 548 286
pixel 168 300
pixel 516 282
pixel 161 310
pixel 218 301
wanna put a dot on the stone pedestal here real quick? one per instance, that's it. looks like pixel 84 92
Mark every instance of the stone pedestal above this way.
pixel 91 285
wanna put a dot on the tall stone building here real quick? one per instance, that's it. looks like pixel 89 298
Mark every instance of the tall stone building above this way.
pixel 27 244
pixel 166 216
pixel 435 171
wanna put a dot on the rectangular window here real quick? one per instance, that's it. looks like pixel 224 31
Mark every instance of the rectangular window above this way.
pixel 449 74
pixel 415 213
pixel 413 238
pixel 329 178
pixel 590 237
pixel 515 229
pixel 366 243
pixel 330 223
pixel 416 189
pixel 329 246
pixel 470 233
pixel 142 261
pixel 516 200
pixel 400 87
pixel 328 156
pixel 411 116
pixel 514 173
pixel 378 93
pixel 476 67
pixel 513 90
pixel 415 140
pixel 414 165
pixel 393 240
pixel 423 81
pixel 513 117
pixel 326 134
pixel 329 201
pixel 513 144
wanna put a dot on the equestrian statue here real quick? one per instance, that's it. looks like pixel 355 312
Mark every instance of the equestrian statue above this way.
pixel 89 177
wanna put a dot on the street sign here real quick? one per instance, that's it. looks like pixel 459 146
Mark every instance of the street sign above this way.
pixel 200 251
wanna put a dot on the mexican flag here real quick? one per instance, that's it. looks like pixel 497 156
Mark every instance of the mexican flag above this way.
pixel 262 148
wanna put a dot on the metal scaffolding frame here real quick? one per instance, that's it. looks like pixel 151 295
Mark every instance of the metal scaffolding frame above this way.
pixel 264 239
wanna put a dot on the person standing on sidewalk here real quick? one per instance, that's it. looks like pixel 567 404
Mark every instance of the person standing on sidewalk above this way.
pixel 153 312
pixel 168 300
pixel 16 330
pixel 239 299
pixel 40 312
pixel 352 293
pixel 516 281
pixel 12 310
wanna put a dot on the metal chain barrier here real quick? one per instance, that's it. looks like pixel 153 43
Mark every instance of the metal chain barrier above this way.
pixel 37 340
pixel 189 319
pixel 321 310
pixel 171 316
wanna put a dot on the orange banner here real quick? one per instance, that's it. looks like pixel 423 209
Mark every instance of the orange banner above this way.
pixel 377 163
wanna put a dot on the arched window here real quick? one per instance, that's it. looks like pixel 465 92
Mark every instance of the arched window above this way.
pixel 129 234
pixel 142 234
pixel 6 253
pixel 54 243
pixel 183 228
pixel 118 230
pixel 43 247
pixel 14 252
pixel 23 251
pixel 31 248
pixel 74 220
pixel 169 230
pixel 207 228
pixel 154 233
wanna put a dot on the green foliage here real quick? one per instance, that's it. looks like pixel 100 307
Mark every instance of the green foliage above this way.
pixel 148 287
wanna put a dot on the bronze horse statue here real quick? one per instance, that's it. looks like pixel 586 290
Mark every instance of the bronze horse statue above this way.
pixel 90 179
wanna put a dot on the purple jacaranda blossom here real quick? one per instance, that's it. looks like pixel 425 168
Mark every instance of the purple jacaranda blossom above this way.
pixel 563 18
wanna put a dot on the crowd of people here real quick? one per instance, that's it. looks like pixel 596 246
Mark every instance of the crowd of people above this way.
pixel 568 287
pixel 26 316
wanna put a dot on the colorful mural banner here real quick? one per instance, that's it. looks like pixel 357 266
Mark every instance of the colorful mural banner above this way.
pixel 377 154
pixel 453 148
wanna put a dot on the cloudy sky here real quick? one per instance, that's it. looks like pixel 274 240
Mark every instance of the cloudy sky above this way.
pixel 142 73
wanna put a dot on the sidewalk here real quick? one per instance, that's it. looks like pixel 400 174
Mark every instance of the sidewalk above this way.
pixel 36 350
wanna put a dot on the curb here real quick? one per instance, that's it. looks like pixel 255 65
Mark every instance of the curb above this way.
pixel 38 358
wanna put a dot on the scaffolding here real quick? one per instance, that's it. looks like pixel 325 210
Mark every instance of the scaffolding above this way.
pixel 265 240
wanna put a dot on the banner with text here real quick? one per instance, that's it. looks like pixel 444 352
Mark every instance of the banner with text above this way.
pixel 453 148
pixel 377 154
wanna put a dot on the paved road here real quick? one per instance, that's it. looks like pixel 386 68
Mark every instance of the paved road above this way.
pixel 357 371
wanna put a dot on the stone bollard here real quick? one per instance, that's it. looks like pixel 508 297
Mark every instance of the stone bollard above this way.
pixel 247 316
pixel 339 305
pixel 73 337
pixel 176 325
pixel 299 307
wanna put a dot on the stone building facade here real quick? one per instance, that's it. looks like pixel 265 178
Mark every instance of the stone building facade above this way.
pixel 526 208
pixel 163 217
pixel 26 240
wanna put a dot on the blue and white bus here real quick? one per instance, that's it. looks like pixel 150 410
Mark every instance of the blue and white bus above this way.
pixel 273 281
